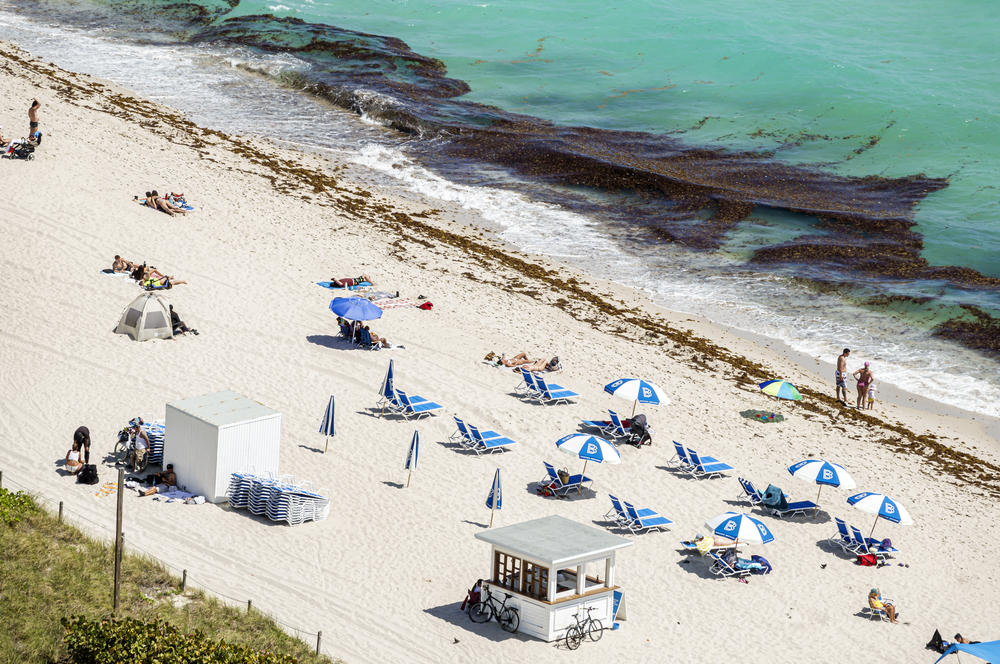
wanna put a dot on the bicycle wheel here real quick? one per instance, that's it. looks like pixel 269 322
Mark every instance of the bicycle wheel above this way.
pixel 573 637
pixel 509 620
pixel 121 452
pixel 596 630
pixel 480 612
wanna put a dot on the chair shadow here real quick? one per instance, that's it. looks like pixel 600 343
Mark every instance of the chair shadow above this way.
pixel 611 526
pixel 456 447
pixel 697 567
pixel 453 614
pixel 312 449
pixel 394 485
pixel 330 341
pixel 476 523
pixel 827 546
pixel 586 493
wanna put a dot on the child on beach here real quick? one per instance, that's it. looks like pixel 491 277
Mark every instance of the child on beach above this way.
pixel 871 396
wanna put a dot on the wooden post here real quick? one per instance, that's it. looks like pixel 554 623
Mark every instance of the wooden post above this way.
pixel 1 479
pixel 184 580
pixel 118 541
pixel 319 637
pixel 249 605
pixel 60 511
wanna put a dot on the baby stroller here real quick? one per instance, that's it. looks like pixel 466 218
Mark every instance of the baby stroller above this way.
pixel 20 151
pixel 639 432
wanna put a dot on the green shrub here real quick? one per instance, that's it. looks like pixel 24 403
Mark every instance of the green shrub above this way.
pixel 112 641
pixel 14 506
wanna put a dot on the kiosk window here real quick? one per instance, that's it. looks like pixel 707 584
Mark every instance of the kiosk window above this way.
pixel 507 571
pixel 536 581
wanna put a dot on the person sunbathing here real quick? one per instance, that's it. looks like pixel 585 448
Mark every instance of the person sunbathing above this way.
pixel 351 281
pixel 153 278
pixel 122 265
pixel 543 365
pixel 876 602
pixel 516 361
pixel 73 461
pixel 162 204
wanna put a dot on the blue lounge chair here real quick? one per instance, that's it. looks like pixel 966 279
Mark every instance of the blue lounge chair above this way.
pixel 644 520
pixel 493 443
pixel 527 384
pixel 681 456
pixel 843 538
pixel 366 341
pixel 617 512
pixel 562 488
pixel 552 393
pixel 750 494
pixel 866 545
pixel 612 427
pixel 721 568
pixel 414 407
pixel 706 466
pixel 798 508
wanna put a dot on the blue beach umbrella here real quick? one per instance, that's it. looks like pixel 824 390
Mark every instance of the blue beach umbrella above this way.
pixel 327 427
pixel 495 500
pixel 781 389
pixel 737 526
pixel 411 456
pixel 823 473
pixel 354 308
pixel 882 506
pixel 589 448
pixel 637 391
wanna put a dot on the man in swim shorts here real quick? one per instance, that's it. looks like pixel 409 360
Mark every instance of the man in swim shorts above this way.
pixel 33 117
pixel 841 375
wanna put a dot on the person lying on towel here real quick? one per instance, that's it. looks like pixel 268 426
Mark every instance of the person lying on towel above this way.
pixel 347 282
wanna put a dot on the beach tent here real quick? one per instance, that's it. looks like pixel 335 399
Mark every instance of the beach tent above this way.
pixel 147 317
pixel 989 651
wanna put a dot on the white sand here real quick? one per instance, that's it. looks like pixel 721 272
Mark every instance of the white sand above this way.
pixel 383 576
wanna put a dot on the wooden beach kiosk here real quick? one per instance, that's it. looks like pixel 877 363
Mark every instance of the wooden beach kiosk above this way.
pixel 553 567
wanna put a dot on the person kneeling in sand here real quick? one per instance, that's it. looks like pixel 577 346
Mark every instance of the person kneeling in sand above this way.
pixel 876 602
pixel 74 462
pixel 163 482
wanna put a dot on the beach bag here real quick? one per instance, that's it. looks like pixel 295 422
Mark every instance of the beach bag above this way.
pixel 87 474
pixel 868 560
pixel 563 475
pixel 765 566
pixel 426 306
pixel 937 643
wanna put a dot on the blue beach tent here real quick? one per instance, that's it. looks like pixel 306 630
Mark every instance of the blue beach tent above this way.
pixel 989 651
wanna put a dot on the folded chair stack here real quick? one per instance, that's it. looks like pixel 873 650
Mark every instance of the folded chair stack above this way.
pixel 278 500
pixel 155 431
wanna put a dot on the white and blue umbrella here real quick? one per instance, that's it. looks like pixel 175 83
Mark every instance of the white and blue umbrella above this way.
pixel 411 456
pixel 354 308
pixel 823 473
pixel 387 392
pixel 495 500
pixel 589 448
pixel 737 526
pixel 882 506
pixel 637 391
pixel 328 427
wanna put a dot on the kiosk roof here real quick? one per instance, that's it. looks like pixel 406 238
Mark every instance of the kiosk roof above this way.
pixel 553 540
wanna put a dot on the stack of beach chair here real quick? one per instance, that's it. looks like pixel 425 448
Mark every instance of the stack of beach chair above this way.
pixel 277 499
pixel 155 431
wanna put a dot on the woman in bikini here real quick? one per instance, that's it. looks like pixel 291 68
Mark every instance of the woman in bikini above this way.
pixel 864 377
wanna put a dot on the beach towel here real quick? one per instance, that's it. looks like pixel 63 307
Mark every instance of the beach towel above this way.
pixel 704 545
pixel 764 416
pixel 394 303
pixel 332 286
pixel 107 489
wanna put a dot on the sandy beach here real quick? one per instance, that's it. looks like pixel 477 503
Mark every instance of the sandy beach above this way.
pixel 383 577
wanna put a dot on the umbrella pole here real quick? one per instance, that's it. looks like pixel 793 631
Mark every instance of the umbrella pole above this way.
pixel 634 404
pixel 327 445
pixel 816 511
pixel 873 527
pixel 408 475
pixel 579 487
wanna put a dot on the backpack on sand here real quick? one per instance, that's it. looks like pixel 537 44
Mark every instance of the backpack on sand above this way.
pixel 87 474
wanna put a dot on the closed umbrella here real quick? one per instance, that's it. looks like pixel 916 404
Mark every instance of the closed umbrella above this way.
pixel 737 526
pixel 637 391
pixel 327 426
pixel 354 308
pixel 882 506
pixel 411 456
pixel 495 500
pixel 589 448
pixel 823 473
pixel 781 389
pixel 387 392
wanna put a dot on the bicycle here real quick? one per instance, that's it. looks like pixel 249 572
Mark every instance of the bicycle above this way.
pixel 589 627
pixel 507 616
pixel 124 451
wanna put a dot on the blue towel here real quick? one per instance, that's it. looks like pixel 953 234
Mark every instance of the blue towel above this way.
pixel 333 286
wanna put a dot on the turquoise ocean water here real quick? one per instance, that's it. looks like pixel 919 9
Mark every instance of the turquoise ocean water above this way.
pixel 847 89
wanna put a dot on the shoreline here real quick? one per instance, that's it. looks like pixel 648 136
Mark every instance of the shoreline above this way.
pixel 270 223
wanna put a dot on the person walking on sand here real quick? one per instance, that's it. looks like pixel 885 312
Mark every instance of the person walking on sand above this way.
pixel 865 378
pixel 841 375
pixel 33 117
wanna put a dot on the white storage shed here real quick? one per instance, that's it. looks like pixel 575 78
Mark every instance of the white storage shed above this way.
pixel 553 568
pixel 212 436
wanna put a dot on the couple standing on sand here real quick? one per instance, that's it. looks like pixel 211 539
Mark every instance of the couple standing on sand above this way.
pixel 865 378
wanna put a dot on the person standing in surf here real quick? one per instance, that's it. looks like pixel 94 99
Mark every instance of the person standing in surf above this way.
pixel 841 376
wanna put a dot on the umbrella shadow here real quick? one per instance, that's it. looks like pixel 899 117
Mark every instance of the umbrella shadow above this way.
pixel 311 449
pixel 698 567
pixel 394 485
pixel 476 523
pixel 330 341
pixel 453 614
pixel 585 493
